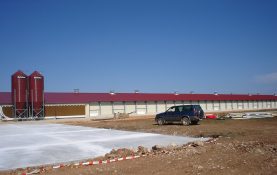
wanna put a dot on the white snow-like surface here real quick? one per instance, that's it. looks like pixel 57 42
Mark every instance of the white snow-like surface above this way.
pixel 25 145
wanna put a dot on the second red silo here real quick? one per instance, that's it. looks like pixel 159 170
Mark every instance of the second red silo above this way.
pixel 36 94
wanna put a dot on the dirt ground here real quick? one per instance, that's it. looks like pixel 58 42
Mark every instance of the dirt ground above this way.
pixel 241 147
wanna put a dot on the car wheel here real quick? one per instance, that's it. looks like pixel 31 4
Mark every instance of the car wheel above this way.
pixel 160 121
pixel 185 121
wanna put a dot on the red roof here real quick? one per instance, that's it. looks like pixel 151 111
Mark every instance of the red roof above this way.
pixel 72 98
pixel 5 98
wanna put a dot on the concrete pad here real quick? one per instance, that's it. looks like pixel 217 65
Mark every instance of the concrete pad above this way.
pixel 25 144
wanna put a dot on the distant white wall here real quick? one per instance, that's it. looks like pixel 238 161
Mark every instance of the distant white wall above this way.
pixel 169 104
pixel 106 108
pixel 118 107
pixel 209 105
pixel 161 106
pixel 130 107
pixel 203 105
pixel 222 106
pixel 141 108
pixel 95 109
pixel 179 102
pixel 216 106
pixel 151 107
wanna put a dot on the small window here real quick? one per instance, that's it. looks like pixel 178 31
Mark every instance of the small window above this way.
pixel 186 108
pixel 180 108
pixel 197 107
pixel 172 109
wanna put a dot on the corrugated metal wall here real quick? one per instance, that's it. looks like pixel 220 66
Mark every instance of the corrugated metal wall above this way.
pixel 64 110
pixel 7 111
pixel 60 110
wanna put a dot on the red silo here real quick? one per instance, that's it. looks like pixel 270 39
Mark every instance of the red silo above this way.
pixel 36 93
pixel 19 93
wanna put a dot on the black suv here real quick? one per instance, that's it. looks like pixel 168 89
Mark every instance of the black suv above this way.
pixel 186 114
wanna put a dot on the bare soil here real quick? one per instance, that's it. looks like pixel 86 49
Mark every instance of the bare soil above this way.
pixel 241 147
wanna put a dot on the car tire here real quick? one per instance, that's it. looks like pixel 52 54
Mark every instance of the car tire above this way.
pixel 160 121
pixel 185 121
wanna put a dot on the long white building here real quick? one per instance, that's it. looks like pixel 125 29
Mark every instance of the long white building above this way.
pixel 96 105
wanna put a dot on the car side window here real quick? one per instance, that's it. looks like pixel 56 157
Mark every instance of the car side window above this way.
pixel 197 107
pixel 172 109
pixel 179 109
pixel 186 108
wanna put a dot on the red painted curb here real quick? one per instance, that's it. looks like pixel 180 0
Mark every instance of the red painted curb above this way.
pixel 97 162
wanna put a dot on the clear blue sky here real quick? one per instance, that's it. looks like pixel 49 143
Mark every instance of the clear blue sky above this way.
pixel 150 45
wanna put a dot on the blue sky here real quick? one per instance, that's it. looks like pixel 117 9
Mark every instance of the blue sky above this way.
pixel 151 45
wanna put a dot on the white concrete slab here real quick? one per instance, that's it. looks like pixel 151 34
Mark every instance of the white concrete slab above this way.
pixel 25 145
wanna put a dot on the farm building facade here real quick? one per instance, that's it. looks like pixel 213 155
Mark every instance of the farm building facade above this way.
pixel 96 105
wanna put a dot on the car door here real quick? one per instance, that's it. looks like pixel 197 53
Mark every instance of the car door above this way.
pixel 187 110
pixel 177 113
pixel 170 113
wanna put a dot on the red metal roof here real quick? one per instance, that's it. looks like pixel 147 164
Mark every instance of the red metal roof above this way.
pixel 5 98
pixel 72 98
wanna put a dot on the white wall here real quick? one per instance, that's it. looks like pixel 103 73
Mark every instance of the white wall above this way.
pixel 118 107
pixel 130 107
pixel 141 108
pixel 272 104
pixel 240 105
pixel 264 105
pixel 222 106
pixel 178 102
pixel 203 105
pixel 95 109
pixel 195 102
pixel 161 106
pixel 245 105
pixel 216 106
pixel 187 102
pixel 260 105
pixel 268 104
pixel 169 104
pixel 235 105
pixel 210 106
pixel 151 107
pixel 106 108
pixel 229 105
pixel 251 104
